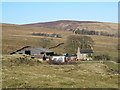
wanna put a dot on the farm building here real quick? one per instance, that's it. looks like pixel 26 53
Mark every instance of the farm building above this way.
pixel 71 57
pixel 83 54
pixel 59 58
pixel 38 52
pixel 64 58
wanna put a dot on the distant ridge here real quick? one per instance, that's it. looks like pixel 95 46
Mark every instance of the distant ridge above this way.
pixel 71 25
pixel 66 21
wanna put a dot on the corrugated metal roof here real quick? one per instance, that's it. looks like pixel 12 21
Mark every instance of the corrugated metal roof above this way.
pixel 40 49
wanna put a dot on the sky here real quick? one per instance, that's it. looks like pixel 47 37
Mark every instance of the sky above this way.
pixel 34 12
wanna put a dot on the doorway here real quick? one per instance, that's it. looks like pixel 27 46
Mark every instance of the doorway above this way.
pixel 28 52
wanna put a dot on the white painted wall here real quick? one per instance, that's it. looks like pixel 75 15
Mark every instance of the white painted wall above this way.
pixel 59 58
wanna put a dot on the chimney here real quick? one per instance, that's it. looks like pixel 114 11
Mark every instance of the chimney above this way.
pixel 78 54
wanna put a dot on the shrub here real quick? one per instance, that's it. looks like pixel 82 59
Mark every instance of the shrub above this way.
pixel 103 57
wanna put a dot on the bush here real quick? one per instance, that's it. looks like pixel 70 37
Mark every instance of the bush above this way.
pixel 102 57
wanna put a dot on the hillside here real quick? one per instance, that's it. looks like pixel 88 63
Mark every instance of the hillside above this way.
pixel 21 71
pixel 67 25
pixel 15 37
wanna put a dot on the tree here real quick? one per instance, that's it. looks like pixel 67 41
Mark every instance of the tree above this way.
pixel 73 42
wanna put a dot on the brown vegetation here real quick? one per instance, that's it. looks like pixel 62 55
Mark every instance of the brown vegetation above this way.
pixel 15 37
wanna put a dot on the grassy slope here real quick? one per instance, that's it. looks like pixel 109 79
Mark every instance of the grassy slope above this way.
pixel 15 37
pixel 95 75
pixel 84 75
pixel 46 76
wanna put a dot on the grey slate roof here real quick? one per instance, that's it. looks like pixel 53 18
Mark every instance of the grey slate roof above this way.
pixel 86 51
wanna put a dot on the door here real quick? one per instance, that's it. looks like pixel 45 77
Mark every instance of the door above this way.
pixel 28 52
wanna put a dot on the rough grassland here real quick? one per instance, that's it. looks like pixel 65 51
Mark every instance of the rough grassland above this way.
pixel 53 76
pixel 15 37
pixel 84 75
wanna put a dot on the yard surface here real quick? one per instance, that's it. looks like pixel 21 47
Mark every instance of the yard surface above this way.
pixel 82 75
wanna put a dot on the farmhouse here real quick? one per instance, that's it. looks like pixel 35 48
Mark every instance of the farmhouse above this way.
pixel 38 52
pixel 83 54
pixel 70 57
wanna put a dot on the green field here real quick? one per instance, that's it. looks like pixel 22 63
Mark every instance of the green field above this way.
pixel 41 75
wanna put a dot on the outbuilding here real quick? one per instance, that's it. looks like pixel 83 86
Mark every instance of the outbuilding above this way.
pixel 59 58
pixel 38 52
